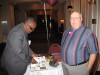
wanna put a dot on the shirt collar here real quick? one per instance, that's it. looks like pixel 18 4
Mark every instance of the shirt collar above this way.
pixel 23 30
pixel 77 29
pixel 74 30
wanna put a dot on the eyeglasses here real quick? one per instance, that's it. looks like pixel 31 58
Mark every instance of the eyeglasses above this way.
pixel 31 27
pixel 76 18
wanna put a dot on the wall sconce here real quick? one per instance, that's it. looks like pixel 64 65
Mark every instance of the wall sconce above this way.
pixel 42 21
pixel 70 8
pixel 92 2
pixel 62 21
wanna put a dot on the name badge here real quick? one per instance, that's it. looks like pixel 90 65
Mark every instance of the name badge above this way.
pixel 29 41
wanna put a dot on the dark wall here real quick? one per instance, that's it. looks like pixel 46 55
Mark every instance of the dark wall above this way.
pixel 2 46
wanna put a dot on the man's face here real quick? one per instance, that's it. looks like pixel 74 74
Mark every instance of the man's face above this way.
pixel 76 20
pixel 30 27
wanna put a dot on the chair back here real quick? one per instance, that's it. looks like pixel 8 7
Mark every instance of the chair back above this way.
pixel 55 51
pixel 54 48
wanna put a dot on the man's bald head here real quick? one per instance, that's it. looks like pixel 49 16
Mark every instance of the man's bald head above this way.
pixel 76 20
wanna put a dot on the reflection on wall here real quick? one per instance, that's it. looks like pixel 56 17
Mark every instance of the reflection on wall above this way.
pixel 5 30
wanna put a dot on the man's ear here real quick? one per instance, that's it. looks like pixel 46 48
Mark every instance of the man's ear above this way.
pixel 26 26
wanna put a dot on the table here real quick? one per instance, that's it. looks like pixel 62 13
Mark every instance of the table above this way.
pixel 49 71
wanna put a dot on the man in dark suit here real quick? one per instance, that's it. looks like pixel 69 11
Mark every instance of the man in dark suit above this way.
pixel 17 54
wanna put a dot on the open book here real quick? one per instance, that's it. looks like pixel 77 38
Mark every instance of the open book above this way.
pixel 40 65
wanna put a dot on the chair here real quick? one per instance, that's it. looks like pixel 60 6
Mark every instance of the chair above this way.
pixel 54 48
pixel 55 51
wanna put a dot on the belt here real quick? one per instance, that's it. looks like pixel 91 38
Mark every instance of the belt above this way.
pixel 80 63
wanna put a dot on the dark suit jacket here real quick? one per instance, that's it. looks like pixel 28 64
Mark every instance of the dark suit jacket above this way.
pixel 17 53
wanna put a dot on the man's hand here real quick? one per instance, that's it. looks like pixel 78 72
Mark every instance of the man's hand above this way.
pixel 91 61
pixel 33 60
pixel 34 55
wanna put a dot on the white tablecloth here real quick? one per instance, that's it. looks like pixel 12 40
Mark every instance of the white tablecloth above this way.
pixel 50 70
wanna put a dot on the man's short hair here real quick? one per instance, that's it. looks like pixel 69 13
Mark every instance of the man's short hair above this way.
pixel 29 20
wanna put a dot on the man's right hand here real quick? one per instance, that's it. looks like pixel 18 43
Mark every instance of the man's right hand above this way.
pixel 33 61
pixel 34 55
